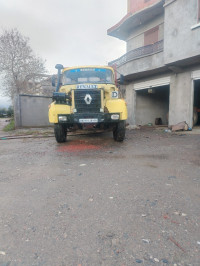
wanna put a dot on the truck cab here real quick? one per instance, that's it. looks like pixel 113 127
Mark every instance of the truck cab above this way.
pixel 87 97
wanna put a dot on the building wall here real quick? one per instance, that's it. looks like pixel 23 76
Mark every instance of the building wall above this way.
pixel 136 39
pixel 142 64
pixel 131 103
pixel 137 5
pixel 135 42
pixel 181 39
pixel 161 32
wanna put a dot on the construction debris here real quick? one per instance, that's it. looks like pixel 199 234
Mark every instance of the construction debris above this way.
pixel 182 126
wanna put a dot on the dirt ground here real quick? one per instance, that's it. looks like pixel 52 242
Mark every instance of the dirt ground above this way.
pixel 92 201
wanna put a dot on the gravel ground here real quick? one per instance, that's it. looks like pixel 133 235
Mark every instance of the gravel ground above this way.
pixel 92 201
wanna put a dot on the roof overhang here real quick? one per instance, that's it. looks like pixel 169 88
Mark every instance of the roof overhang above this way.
pixel 122 29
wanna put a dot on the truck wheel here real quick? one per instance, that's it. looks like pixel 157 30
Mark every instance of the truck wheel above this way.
pixel 60 133
pixel 119 131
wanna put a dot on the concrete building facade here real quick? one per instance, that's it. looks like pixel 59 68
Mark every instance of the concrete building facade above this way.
pixel 162 65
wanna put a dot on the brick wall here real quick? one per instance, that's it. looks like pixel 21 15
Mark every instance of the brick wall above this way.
pixel 136 5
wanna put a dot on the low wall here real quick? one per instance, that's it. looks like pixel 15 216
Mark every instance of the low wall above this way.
pixel 31 110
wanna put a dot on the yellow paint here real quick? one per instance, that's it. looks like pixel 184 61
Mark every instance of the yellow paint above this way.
pixel 102 99
pixel 56 109
pixel 108 88
pixel 73 103
pixel 117 106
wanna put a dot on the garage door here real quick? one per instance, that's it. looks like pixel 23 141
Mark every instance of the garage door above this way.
pixel 152 83
pixel 196 74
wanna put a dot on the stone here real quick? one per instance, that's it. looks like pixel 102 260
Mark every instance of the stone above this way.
pixel 2 253
pixel 146 240
pixel 138 261
pixel 165 261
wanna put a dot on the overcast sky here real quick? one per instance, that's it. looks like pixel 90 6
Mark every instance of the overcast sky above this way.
pixel 70 32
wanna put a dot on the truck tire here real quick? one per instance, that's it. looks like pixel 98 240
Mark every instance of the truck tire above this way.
pixel 60 133
pixel 119 131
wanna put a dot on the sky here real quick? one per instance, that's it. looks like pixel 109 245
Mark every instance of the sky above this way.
pixel 68 32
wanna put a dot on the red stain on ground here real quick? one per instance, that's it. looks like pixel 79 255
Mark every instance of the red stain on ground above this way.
pixel 76 146
pixel 166 217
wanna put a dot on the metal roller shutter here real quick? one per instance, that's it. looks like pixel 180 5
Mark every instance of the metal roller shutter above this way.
pixel 196 74
pixel 152 83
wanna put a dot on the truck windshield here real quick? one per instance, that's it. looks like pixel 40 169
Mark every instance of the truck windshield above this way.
pixel 88 75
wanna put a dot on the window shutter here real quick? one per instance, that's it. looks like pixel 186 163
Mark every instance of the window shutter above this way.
pixel 151 36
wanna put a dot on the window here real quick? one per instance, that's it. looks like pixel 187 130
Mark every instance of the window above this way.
pixel 151 36
pixel 88 75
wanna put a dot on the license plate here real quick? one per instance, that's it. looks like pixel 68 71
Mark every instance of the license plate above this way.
pixel 88 120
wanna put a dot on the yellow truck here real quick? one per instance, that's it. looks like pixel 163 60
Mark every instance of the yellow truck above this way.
pixel 87 97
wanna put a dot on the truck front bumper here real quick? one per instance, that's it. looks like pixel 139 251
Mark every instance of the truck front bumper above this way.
pixel 96 118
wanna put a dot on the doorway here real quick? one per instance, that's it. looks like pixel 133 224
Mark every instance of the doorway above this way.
pixel 196 105
pixel 152 105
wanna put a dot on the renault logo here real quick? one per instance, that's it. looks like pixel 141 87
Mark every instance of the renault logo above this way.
pixel 88 99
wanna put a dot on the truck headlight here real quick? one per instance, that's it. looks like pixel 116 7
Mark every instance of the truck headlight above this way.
pixel 62 118
pixel 115 117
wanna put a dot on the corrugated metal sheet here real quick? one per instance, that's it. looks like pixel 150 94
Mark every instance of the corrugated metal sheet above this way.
pixel 152 83
pixel 151 36
pixel 196 74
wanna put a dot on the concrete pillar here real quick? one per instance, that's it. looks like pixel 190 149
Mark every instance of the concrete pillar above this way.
pixel 17 110
pixel 130 99
pixel 181 99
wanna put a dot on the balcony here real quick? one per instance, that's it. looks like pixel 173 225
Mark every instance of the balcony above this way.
pixel 138 53
pixel 123 29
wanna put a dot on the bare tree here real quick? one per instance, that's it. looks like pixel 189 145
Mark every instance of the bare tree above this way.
pixel 17 62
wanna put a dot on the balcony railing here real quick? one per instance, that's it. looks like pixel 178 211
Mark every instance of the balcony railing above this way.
pixel 138 53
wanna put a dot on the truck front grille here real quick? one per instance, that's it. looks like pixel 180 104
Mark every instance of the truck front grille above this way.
pixel 87 101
